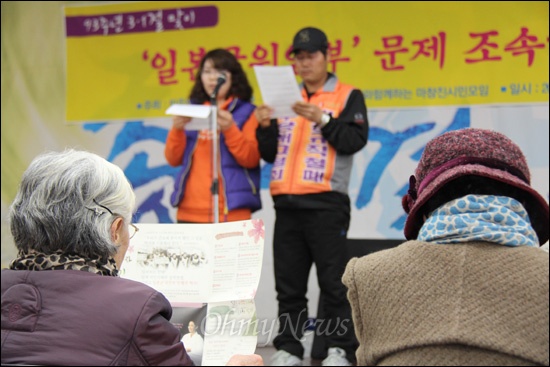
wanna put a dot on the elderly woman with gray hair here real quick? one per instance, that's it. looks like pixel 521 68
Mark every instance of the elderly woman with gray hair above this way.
pixel 62 300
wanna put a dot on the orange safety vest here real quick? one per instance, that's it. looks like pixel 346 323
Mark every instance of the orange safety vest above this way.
pixel 305 162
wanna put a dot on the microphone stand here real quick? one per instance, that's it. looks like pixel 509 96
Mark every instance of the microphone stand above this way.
pixel 214 129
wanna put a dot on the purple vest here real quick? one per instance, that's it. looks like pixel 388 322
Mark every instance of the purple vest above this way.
pixel 243 189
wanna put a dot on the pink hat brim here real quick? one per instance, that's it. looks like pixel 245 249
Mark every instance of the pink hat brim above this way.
pixel 414 220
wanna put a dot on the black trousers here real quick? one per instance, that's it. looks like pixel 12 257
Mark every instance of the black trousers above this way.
pixel 303 237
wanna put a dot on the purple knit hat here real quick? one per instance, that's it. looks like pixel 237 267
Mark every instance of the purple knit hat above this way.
pixel 476 152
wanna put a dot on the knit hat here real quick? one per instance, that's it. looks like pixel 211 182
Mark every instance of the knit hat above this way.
pixel 471 151
pixel 310 39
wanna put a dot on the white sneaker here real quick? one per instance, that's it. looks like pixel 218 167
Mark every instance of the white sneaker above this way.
pixel 283 358
pixel 336 357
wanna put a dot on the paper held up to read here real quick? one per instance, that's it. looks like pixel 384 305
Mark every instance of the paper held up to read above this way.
pixel 199 115
pixel 279 89
pixel 217 264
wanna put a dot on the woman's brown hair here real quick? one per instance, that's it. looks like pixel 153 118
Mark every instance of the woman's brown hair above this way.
pixel 222 60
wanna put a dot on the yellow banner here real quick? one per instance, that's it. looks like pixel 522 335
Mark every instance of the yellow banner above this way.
pixel 133 60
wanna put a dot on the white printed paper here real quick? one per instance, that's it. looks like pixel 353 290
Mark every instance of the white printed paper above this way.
pixel 218 264
pixel 199 115
pixel 231 328
pixel 279 89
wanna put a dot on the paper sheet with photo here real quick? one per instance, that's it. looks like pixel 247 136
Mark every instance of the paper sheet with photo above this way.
pixel 195 263
pixel 200 115
pixel 218 264
pixel 279 88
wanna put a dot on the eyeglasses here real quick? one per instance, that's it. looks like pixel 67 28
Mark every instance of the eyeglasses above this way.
pixel 97 211
pixel 132 229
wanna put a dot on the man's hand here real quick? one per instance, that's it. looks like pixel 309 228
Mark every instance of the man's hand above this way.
pixel 179 122
pixel 308 110
pixel 263 115
pixel 246 360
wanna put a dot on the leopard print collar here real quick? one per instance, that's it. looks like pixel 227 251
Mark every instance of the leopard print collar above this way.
pixel 34 260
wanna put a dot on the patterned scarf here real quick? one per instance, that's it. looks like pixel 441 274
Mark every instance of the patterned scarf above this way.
pixel 34 260
pixel 497 219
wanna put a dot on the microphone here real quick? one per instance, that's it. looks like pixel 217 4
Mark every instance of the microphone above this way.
pixel 221 79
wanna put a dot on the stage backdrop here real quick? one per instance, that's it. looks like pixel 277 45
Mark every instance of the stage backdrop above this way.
pixel 128 62
pixel 93 76
pixel 132 60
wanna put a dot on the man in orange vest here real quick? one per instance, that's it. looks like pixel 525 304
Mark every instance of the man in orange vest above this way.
pixel 312 156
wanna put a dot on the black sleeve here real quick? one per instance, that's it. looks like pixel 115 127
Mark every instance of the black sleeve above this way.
pixel 268 138
pixel 349 132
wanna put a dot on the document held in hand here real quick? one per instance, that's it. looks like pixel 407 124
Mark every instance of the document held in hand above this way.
pixel 217 264
pixel 279 89
pixel 199 115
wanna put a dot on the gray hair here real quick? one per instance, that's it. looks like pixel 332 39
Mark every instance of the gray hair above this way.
pixel 62 204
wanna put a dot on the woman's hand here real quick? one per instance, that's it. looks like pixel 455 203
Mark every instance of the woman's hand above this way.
pixel 225 119
pixel 179 122
pixel 245 360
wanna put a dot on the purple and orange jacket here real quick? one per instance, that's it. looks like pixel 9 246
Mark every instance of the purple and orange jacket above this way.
pixel 238 174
